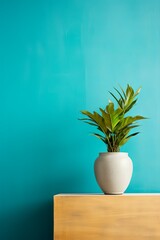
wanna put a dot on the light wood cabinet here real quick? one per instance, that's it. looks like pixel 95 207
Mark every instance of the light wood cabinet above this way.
pixel 107 217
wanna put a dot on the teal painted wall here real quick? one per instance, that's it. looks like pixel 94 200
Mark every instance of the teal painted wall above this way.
pixel 56 58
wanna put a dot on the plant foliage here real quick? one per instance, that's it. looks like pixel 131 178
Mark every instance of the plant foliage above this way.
pixel 113 124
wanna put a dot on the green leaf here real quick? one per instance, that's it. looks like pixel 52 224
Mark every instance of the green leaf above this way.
pixel 100 121
pixel 112 121
pixel 123 92
pixel 133 134
pixel 99 136
pixel 138 117
pixel 137 92
pixel 115 98
pixel 123 141
pixel 120 95
pixel 107 119
pixel 131 105
pixel 90 123
pixel 110 108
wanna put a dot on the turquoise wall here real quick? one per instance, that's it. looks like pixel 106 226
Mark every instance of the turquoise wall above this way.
pixel 56 58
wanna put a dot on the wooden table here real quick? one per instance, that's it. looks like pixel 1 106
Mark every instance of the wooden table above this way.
pixel 107 217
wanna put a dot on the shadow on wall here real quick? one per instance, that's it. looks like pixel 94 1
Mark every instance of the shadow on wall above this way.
pixel 45 173
pixel 34 222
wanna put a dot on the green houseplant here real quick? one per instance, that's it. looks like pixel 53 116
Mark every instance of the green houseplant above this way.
pixel 114 126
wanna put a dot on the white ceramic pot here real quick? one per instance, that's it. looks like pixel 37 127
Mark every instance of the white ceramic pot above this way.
pixel 113 172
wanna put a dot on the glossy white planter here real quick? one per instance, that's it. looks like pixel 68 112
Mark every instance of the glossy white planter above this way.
pixel 113 172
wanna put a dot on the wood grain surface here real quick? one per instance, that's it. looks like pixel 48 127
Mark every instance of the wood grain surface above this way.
pixel 107 217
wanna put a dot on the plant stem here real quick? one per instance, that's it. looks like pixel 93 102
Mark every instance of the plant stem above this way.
pixel 113 149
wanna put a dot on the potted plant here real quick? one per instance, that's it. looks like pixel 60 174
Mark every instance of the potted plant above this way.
pixel 113 169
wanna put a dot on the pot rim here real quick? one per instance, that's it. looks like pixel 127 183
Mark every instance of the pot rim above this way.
pixel 113 153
